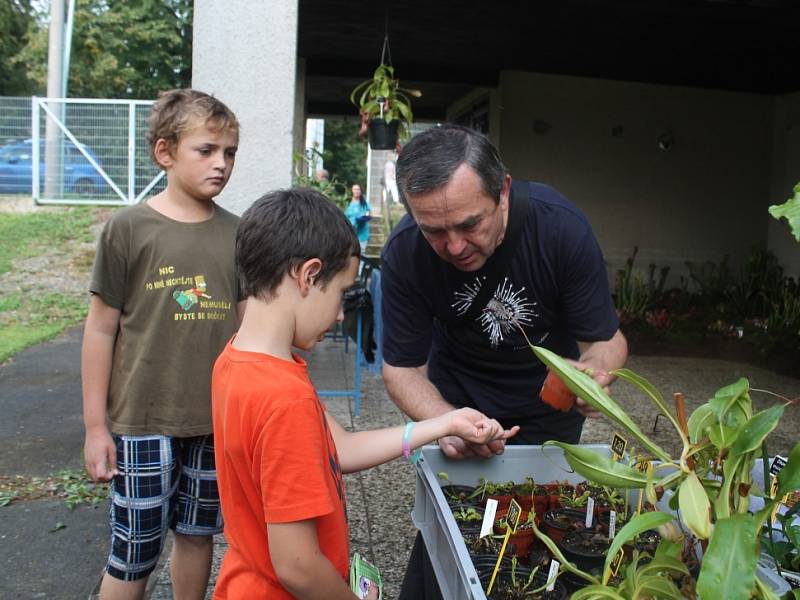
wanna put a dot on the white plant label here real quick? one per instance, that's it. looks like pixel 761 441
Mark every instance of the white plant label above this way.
pixel 612 524
pixel 487 526
pixel 589 512
pixel 551 575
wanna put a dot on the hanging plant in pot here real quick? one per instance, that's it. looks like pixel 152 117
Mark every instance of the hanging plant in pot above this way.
pixel 385 108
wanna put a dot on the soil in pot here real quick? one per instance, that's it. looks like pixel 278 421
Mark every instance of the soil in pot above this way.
pixel 586 549
pixel 555 523
pixel 468 517
pixel 460 494
pixel 504 588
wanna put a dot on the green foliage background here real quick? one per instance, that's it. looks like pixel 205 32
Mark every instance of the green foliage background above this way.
pixel 120 49
pixel 345 154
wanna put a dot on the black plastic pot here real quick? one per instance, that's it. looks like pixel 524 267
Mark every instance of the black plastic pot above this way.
pixel 504 575
pixel 383 135
pixel 571 546
pixel 459 494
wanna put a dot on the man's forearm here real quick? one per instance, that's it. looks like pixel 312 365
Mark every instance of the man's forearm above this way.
pixel 608 355
pixel 412 391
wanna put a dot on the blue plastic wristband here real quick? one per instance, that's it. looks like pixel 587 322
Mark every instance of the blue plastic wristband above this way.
pixel 410 457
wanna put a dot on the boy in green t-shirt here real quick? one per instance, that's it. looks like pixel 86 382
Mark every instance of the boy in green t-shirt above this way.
pixel 164 302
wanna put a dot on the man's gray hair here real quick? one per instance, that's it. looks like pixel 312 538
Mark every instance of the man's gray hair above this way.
pixel 429 160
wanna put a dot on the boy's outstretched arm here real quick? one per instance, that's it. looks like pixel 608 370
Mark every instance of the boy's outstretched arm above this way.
pixel 364 449
pixel 300 565
pixel 99 334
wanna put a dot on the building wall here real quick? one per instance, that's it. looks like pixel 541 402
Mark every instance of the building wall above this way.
pixel 786 174
pixel 597 142
pixel 245 53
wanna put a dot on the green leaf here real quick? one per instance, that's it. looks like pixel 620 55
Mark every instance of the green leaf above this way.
pixel 733 402
pixel 789 475
pixel 640 523
pixel 729 565
pixel 596 592
pixel 757 429
pixel 699 421
pixel 694 506
pixel 722 436
pixel 591 392
pixel 790 210
pixel 602 469
pixel 655 586
pixel 664 564
pixel 58 527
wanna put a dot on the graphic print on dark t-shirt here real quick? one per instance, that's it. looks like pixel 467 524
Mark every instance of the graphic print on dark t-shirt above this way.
pixel 507 310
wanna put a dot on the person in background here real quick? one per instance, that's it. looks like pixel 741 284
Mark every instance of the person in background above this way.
pixel 357 212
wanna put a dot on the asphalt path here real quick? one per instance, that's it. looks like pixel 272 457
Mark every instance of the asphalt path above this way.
pixel 46 549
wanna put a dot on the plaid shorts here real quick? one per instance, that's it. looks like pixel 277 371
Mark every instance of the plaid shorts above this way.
pixel 163 483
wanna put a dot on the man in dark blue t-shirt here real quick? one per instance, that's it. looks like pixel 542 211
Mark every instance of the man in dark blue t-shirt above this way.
pixel 549 282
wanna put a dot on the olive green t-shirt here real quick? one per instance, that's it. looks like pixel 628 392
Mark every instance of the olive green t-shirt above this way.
pixel 176 287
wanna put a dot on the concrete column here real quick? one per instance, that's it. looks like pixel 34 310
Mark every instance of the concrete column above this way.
pixel 245 53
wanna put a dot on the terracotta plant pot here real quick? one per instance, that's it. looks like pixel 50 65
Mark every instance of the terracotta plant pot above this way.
pixel 556 394
pixel 537 497
pixel 554 492
pixel 520 541
pixel 503 500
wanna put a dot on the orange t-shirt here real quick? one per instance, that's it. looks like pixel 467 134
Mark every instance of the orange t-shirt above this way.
pixel 276 463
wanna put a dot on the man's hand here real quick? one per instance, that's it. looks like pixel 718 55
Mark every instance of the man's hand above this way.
pixel 600 376
pixel 100 455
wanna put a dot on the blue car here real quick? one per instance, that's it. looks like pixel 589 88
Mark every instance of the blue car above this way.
pixel 79 176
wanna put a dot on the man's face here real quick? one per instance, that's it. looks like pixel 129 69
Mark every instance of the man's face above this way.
pixel 460 221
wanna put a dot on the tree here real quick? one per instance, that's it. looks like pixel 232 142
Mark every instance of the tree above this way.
pixel 16 17
pixel 345 154
pixel 120 49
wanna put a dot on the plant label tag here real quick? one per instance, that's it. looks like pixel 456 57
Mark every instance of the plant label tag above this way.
pixel 488 517
pixel 777 464
pixel 512 518
pixel 551 575
pixel 612 524
pixel 589 512
pixel 618 445
pixel 617 562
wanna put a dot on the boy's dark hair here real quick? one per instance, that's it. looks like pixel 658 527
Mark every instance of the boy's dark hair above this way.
pixel 428 161
pixel 177 111
pixel 285 228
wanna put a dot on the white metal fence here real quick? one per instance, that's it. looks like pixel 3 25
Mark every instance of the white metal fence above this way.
pixel 77 151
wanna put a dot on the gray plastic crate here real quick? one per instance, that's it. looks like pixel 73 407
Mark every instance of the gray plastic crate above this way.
pixel 451 563
pixel 431 515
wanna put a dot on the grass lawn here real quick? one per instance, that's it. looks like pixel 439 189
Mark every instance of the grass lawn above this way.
pixel 38 309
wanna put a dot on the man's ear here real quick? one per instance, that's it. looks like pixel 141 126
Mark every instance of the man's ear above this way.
pixel 505 191
pixel 307 274
pixel 163 153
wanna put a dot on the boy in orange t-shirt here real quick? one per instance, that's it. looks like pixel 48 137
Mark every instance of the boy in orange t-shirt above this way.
pixel 279 455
